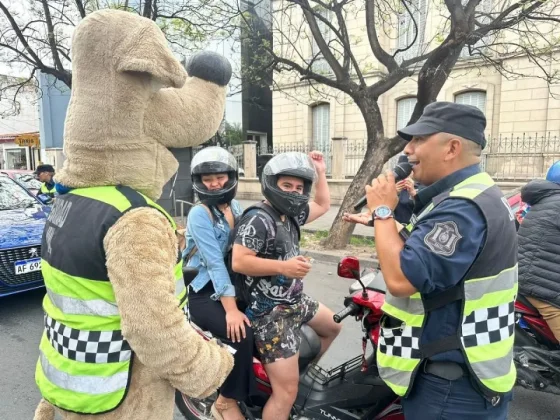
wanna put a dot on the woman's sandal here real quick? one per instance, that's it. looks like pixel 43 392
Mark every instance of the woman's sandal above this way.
pixel 218 408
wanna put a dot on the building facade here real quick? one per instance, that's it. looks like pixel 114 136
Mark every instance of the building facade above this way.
pixel 16 119
pixel 523 113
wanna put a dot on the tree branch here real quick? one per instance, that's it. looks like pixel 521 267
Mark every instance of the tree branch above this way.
pixel 325 50
pixel 51 37
pixel 81 8
pixel 20 36
pixel 382 56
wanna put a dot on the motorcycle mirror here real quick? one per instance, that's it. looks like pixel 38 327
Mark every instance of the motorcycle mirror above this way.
pixel 349 268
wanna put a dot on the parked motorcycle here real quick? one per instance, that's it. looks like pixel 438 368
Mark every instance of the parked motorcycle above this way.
pixel 536 351
pixel 350 391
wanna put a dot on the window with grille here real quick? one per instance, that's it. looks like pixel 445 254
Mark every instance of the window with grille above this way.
pixel 474 98
pixel 320 64
pixel 482 15
pixel 321 122
pixel 405 107
pixel 407 30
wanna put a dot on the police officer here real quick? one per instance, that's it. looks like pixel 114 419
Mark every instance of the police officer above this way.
pixel 45 173
pixel 446 342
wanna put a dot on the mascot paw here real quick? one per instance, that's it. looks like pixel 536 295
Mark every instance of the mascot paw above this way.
pixel 209 66
pixel 226 365
pixel 44 411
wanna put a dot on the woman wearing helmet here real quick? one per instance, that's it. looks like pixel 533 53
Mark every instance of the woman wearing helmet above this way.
pixel 212 303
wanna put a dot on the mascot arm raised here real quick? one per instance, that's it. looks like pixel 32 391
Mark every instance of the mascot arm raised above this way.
pixel 141 251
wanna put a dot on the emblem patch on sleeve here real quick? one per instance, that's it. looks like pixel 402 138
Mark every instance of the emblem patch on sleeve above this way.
pixel 443 238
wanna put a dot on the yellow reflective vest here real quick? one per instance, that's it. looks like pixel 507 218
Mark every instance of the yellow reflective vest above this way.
pixel 488 293
pixel 84 362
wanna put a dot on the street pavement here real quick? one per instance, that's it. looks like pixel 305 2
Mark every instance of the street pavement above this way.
pixel 21 326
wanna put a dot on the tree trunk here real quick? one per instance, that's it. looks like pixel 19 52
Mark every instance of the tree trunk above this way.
pixel 375 157
pixel 340 231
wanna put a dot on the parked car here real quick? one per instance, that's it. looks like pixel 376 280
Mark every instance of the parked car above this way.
pixel 22 220
pixel 25 178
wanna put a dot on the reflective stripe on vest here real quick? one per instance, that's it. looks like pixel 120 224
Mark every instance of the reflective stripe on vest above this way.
pixel 487 328
pixel 84 364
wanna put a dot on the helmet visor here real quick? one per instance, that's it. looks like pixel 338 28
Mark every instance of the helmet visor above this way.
pixel 213 160
pixel 291 163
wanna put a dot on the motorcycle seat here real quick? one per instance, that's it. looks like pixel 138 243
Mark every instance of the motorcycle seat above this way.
pixel 189 274
pixel 309 348
pixel 526 302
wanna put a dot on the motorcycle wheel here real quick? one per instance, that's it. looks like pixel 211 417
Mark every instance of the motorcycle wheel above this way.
pixel 194 409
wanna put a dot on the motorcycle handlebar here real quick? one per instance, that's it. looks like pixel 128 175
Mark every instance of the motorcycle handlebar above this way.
pixel 349 310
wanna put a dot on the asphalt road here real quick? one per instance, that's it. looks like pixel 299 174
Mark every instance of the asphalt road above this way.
pixel 21 319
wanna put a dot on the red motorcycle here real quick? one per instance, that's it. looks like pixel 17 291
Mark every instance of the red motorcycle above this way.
pixel 536 351
pixel 350 391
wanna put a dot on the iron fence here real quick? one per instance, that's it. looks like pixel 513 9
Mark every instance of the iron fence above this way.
pixel 510 157
pixel 520 157
pixel 325 149
pixel 236 150
pixel 506 157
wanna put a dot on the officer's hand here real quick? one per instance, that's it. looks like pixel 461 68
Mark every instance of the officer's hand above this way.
pixel 382 192
pixel 361 218
pixel 296 267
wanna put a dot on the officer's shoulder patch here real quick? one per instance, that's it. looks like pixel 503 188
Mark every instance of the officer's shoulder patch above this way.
pixel 443 238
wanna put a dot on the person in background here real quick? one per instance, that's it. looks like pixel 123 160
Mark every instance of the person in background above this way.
pixel 45 174
pixel 539 247
pixel 212 304
pixel 407 190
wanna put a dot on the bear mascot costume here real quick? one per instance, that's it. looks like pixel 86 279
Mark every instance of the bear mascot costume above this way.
pixel 116 343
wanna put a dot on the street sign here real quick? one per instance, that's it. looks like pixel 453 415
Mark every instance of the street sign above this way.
pixel 31 140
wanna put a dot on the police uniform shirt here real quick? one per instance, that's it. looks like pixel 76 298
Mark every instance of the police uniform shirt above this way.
pixel 433 263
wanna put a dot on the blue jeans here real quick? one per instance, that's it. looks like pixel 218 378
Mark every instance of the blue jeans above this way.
pixel 436 398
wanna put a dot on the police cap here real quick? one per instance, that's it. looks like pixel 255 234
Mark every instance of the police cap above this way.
pixel 465 121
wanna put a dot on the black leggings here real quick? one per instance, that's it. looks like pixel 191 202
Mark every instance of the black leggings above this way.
pixel 210 315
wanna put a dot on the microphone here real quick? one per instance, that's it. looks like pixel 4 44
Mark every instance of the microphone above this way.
pixel 401 171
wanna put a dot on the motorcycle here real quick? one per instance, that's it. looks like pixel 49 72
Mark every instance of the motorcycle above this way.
pixel 536 350
pixel 352 390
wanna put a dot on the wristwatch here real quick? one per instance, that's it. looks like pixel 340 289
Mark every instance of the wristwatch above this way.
pixel 382 213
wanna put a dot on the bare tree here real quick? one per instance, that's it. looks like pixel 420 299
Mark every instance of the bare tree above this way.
pixel 35 35
pixel 489 35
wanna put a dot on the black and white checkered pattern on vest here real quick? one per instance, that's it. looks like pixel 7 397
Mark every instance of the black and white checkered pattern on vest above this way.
pixel 87 346
pixel 402 342
pixel 489 325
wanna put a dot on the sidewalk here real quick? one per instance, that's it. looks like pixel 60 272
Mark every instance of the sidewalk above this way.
pixel 324 222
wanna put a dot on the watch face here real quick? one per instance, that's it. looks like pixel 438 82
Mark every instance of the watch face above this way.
pixel 383 211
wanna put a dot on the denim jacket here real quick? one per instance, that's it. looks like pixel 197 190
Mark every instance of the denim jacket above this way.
pixel 212 241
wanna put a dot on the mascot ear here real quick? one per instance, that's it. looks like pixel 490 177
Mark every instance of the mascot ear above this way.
pixel 146 51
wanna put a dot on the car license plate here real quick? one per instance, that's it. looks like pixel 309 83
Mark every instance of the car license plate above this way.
pixel 27 266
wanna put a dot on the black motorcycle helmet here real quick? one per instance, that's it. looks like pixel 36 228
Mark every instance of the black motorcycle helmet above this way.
pixel 214 160
pixel 295 164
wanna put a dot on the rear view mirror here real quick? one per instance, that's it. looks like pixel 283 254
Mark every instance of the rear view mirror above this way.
pixel 349 268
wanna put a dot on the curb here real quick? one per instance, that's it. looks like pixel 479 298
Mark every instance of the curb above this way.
pixel 307 229
pixel 335 258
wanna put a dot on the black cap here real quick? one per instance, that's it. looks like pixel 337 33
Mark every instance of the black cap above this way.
pixel 465 121
pixel 44 168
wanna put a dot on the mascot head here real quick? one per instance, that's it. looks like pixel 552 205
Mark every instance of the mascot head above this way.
pixel 132 100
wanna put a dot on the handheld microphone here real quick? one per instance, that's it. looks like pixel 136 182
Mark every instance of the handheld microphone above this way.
pixel 401 171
